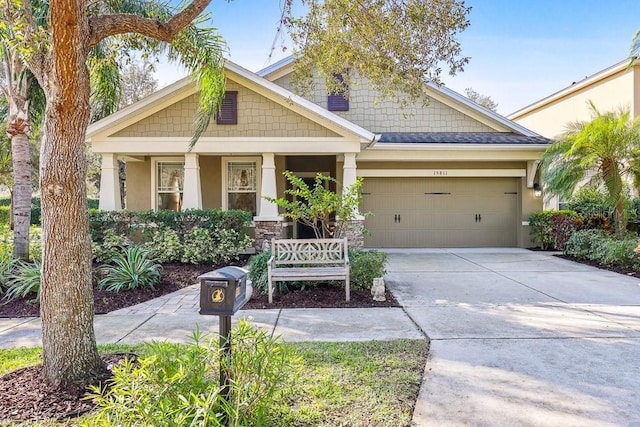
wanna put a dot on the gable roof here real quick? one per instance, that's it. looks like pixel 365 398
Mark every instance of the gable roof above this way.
pixel 186 87
pixel 574 87
pixel 439 93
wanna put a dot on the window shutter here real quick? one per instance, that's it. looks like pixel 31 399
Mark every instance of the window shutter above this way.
pixel 338 101
pixel 228 114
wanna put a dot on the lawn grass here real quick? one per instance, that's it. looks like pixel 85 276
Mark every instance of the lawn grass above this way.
pixel 371 383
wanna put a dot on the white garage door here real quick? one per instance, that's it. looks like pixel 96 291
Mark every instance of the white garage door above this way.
pixel 440 212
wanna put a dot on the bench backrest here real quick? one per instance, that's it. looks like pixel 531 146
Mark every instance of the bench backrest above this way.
pixel 309 251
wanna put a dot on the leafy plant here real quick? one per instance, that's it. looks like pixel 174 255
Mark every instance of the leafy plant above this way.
pixel 133 269
pixel 178 385
pixel 165 246
pixel 24 281
pixel 258 272
pixel 552 228
pixel 366 266
pixel 603 248
pixel 203 246
pixel 327 212
pixel 6 270
pixel 111 247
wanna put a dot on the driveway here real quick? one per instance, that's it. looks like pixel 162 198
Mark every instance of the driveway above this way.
pixel 521 338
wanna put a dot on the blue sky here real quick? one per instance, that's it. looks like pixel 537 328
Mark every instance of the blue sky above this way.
pixel 520 50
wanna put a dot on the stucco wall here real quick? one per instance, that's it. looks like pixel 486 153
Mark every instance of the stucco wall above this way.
pixel 383 115
pixel 530 204
pixel 139 185
pixel 211 181
pixel 257 117
pixel 611 94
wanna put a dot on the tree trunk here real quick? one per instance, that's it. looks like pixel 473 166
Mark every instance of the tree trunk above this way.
pixel 619 219
pixel 17 128
pixel 70 353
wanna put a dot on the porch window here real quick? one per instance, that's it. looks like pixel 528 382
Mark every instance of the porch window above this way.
pixel 170 185
pixel 242 184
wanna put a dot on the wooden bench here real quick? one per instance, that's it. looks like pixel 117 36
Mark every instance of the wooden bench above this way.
pixel 308 259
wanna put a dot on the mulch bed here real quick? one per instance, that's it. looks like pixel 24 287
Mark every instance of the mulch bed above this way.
pixel 614 268
pixel 24 396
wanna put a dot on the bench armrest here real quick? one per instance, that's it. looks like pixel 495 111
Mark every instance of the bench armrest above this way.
pixel 272 259
pixel 346 257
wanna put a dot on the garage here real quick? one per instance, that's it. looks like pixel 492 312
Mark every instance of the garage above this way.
pixel 441 212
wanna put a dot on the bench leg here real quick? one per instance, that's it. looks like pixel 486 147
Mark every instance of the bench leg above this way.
pixel 347 288
pixel 270 287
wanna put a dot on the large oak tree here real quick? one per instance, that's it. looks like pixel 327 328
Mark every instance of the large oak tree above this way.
pixel 397 45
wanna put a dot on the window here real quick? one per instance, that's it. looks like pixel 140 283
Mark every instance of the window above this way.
pixel 242 184
pixel 228 114
pixel 338 101
pixel 169 185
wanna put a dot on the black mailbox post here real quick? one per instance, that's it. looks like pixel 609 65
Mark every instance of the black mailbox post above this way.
pixel 222 293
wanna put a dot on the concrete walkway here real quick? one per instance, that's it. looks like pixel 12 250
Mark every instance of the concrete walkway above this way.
pixel 173 318
pixel 521 338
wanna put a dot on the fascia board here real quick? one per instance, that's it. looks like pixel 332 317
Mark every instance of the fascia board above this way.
pixel 576 87
pixel 478 112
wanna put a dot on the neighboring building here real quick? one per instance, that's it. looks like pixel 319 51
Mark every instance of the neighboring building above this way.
pixel 610 89
pixel 450 174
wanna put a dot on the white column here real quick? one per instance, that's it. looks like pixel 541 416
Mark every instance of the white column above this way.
pixel 192 192
pixel 268 210
pixel 109 183
pixel 349 175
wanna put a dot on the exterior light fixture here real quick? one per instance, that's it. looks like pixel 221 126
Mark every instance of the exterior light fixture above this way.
pixel 537 190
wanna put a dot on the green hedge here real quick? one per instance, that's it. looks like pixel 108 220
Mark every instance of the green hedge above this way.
pixel 5 209
pixel 603 248
pixel 141 225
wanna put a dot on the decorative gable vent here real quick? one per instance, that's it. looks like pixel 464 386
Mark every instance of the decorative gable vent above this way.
pixel 338 101
pixel 228 114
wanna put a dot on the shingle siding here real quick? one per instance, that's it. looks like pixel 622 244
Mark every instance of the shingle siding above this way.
pixel 381 116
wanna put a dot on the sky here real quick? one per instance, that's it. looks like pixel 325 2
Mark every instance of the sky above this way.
pixel 520 51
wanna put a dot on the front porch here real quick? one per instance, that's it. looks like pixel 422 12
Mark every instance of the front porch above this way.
pixel 218 181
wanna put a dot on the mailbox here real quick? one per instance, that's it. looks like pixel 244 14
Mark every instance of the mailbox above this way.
pixel 223 291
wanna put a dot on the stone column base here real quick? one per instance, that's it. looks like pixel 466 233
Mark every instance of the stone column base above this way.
pixel 355 234
pixel 265 231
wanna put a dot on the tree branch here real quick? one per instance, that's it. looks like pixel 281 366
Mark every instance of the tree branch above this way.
pixel 104 26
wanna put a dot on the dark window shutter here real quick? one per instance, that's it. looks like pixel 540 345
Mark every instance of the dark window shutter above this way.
pixel 229 109
pixel 338 101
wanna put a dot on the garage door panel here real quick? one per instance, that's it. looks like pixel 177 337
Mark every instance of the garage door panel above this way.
pixel 466 212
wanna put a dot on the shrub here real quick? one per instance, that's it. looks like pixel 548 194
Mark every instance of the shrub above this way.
pixel 597 222
pixel 133 269
pixel 202 246
pixel 603 248
pixel 562 227
pixel 590 201
pixel 178 385
pixel 552 228
pixel 165 246
pixel 24 281
pixel 5 215
pixel 258 272
pixel 366 266
pixel 111 246
pixel 6 270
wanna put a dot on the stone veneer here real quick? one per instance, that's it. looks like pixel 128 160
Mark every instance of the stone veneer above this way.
pixel 355 235
pixel 265 231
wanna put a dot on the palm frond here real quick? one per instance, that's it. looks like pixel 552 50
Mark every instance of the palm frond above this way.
pixel 200 50
pixel 634 52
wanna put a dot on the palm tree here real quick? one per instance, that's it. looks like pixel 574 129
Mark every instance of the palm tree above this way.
pixel 604 151
pixel 634 53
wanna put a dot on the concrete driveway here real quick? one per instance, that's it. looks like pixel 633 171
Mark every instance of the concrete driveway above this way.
pixel 521 338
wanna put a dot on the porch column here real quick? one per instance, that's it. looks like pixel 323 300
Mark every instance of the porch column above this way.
pixel 268 210
pixel 354 231
pixel 192 192
pixel 109 183
pixel 268 222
